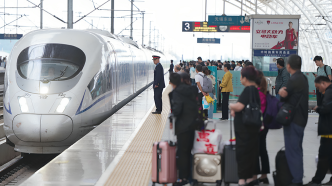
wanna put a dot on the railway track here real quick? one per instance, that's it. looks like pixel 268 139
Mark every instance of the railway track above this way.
pixel 22 167
pixel 11 174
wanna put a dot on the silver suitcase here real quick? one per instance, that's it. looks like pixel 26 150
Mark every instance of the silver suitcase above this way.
pixel 207 169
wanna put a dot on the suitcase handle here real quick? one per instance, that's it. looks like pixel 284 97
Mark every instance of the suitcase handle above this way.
pixel 231 128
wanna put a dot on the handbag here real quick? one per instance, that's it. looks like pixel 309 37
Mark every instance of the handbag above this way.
pixel 251 115
pixel 286 113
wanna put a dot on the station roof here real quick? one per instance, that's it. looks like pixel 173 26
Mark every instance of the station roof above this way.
pixel 315 36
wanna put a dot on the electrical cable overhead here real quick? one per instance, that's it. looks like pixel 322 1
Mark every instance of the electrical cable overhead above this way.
pixel 47 12
pixel 12 21
pixel 90 24
pixel 93 4
pixel 91 11
pixel 127 26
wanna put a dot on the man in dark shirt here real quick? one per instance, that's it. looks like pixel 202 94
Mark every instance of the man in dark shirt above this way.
pixel 233 65
pixel 324 86
pixel 171 67
pixel 296 91
pixel 158 84
pixel 200 61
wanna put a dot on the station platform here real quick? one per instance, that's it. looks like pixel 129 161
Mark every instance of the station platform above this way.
pixel 119 151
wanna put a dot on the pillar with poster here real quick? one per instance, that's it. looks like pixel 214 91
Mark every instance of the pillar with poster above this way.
pixel 272 37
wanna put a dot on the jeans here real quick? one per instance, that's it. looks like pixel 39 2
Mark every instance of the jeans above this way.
pixel 293 135
pixel 211 109
pixel 193 82
pixel 324 159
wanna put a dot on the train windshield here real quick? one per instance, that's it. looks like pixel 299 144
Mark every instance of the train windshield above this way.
pixel 50 62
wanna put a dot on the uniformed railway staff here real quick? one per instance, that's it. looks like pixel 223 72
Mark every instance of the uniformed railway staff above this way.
pixel 158 84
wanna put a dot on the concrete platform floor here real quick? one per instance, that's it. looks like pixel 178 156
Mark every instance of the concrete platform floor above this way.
pixel 275 141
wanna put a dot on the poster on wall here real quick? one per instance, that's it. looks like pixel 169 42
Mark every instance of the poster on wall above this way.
pixel 275 34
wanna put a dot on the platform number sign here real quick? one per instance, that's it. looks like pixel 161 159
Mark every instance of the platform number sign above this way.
pixel 187 26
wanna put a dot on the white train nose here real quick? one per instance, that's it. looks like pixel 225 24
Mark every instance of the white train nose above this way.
pixel 42 128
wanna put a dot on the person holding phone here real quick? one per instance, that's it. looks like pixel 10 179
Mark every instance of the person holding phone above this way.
pixel 322 70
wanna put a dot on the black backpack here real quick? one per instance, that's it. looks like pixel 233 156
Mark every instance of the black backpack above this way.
pixel 325 70
pixel 282 176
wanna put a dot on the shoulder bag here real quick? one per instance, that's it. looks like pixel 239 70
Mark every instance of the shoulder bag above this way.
pixel 286 113
pixel 251 115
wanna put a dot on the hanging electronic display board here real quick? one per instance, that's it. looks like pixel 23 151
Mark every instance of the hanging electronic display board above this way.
pixel 190 26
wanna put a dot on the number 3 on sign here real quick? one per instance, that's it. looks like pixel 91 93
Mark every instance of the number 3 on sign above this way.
pixel 187 26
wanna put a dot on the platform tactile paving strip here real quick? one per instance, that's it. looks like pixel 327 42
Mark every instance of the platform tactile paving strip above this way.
pixel 134 168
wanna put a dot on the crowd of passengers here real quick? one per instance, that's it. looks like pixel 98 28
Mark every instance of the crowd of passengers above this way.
pixel 291 87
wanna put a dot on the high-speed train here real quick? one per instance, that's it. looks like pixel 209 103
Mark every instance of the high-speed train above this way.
pixel 60 84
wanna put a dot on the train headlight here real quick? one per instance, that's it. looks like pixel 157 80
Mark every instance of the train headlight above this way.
pixel 23 104
pixel 43 90
pixel 62 106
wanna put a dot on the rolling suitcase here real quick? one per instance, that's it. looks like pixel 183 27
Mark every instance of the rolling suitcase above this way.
pixel 282 176
pixel 207 168
pixel 230 174
pixel 164 162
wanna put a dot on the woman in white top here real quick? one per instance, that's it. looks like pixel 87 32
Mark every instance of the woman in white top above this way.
pixel 238 66
pixel 192 74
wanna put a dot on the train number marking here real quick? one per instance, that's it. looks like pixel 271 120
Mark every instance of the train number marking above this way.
pixel 187 26
pixel 43 97
pixel 62 95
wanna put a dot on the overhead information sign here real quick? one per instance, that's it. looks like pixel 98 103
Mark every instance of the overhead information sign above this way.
pixel 190 26
pixel 274 53
pixel 11 36
pixel 228 20
pixel 208 40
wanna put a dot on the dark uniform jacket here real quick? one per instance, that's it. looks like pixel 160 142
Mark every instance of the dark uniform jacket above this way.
pixel 159 76
pixel 184 107
pixel 171 67
pixel 325 116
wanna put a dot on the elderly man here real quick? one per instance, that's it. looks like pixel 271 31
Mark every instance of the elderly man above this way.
pixel 177 69
pixel 158 84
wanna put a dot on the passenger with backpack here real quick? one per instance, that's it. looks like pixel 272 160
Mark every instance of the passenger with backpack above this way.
pixel 204 86
pixel 296 97
pixel 227 88
pixel 322 70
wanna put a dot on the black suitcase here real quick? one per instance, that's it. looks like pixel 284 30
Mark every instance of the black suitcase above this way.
pixel 282 176
pixel 230 174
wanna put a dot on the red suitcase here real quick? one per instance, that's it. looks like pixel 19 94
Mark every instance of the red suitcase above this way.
pixel 164 163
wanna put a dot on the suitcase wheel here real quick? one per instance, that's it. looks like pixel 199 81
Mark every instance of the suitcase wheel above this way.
pixel 226 184
pixel 219 183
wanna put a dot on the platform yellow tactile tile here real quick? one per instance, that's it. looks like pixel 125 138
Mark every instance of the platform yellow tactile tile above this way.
pixel 134 168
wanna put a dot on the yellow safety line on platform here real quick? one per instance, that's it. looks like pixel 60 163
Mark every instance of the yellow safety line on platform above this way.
pixel 134 168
